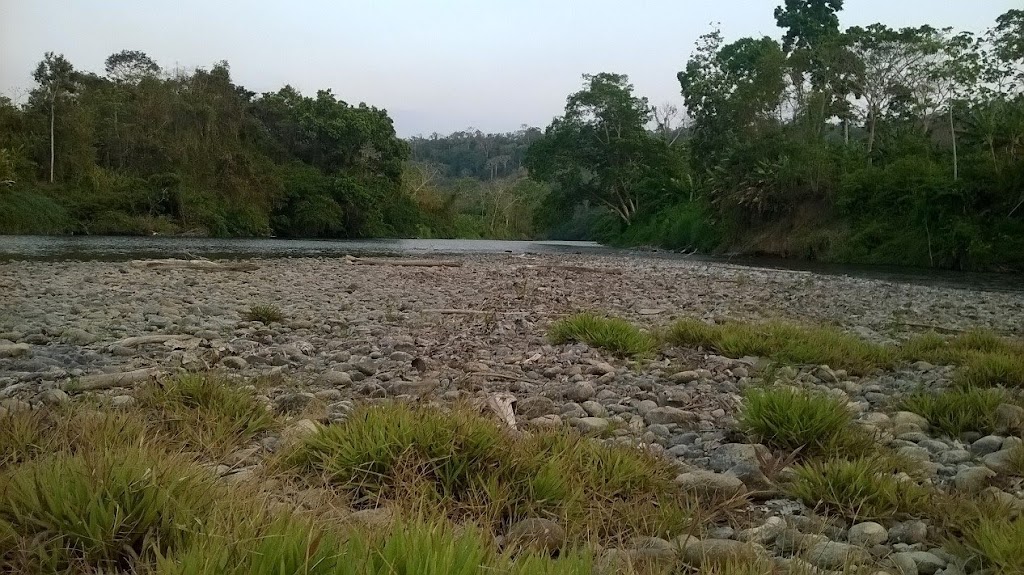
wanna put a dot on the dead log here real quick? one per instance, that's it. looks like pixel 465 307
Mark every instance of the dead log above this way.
pixel 146 339
pixel 108 380
pixel 426 263
pixel 199 265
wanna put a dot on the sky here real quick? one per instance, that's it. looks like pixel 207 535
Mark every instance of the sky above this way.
pixel 435 65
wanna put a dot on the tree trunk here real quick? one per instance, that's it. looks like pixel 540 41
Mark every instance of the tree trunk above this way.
pixel 53 111
pixel 952 133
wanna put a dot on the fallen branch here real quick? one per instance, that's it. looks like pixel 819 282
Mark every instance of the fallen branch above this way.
pixel 400 262
pixel 108 380
pixel 472 312
pixel 147 339
pixel 570 268
pixel 201 265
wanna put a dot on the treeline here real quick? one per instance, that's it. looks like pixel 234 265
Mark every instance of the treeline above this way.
pixel 141 150
pixel 870 145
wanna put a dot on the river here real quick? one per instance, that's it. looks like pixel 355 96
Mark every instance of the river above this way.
pixel 119 248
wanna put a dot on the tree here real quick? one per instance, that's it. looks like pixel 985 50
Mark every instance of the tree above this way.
pixel 600 149
pixel 130 67
pixel 55 77
pixel 890 62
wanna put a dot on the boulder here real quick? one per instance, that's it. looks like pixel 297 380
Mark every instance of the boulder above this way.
pixel 536 534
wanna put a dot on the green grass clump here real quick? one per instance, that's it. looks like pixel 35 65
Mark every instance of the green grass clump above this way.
pixel 793 419
pixel 861 488
pixel 782 342
pixel 955 411
pixel 613 334
pixel 466 467
pixel 203 413
pixel 108 509
pixel 264 313
pixel 999 543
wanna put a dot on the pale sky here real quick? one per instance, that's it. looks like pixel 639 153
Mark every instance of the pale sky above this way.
pixel 440 65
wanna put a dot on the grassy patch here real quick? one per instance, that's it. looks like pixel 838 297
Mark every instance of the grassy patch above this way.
pixel 783 342
pixel 264 313
pixel 204 413
pixel 107 509
pixel 861 488
pixel 613 334
pixel 466 467
pixel 955 411
pixel 794 419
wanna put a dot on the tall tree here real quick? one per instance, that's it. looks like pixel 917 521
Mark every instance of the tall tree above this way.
pixel 55 76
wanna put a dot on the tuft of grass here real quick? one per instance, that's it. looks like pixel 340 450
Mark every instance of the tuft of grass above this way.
pixel 861 488
pixel 264 313
pixel 465 467
pixel 955 411
pixel 992 369
pixel 108 509
pixel 986 359
pixel 783 342
pixel 794 419
pixel 613 334
pixel 999 543
pixel 204 413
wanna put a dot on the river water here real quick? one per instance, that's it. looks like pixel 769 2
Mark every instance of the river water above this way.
pixel 120 248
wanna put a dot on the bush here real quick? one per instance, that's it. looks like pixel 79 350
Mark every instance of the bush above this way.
pixel 864 488
pixel 463 466
pixel 957 410
pixel 613 334
pixel 107 508
pixel 264 313
pixel 204 413
pixel 793 419
pixel 784 343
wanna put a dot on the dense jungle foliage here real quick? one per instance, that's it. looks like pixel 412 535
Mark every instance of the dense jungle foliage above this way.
pixel 867 145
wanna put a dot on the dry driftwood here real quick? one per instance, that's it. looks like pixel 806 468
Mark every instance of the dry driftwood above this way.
pixel 108 380
pixel 146 339
pixel 453 311
pixel 200 265
pixel 570 268
pixel 400 262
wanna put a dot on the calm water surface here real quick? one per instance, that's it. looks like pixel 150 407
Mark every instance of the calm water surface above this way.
pixel 124 248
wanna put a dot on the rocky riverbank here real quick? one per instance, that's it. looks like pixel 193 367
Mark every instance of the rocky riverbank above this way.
pixel 354 333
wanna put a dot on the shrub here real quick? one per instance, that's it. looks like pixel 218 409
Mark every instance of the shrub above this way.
pixel 107 508
pixel 794 419
pixel 957 410
pixel 204 413
pixel 783 342
pixel 264 313
pixel 613 334
pixel 861 488
pixel 464 466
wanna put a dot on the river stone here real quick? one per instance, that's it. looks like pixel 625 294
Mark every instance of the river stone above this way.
pixel 76 336
pixel 910 532
pixel 733 454
pixel 122 401
pixel 986 445
pixel 1009 418
pixel 973 479
pixel 594 409
pixel 835 555
pixel 867 534
pixel 581 391
pixel 907 421
pixel 592 425
pixel 293 402
pixel 714 552
pixel 234 362
pixel 534 407
pixel 927 563
pixel 536 534
pixel 954 456
pixel 710 484
pixel 685 376
pixel 1000 461
pixel 15 350
pixel 669 415
pixel 903 563
pixel 792 540
pixel 551 421
pixel 336 379
pixel 54 396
